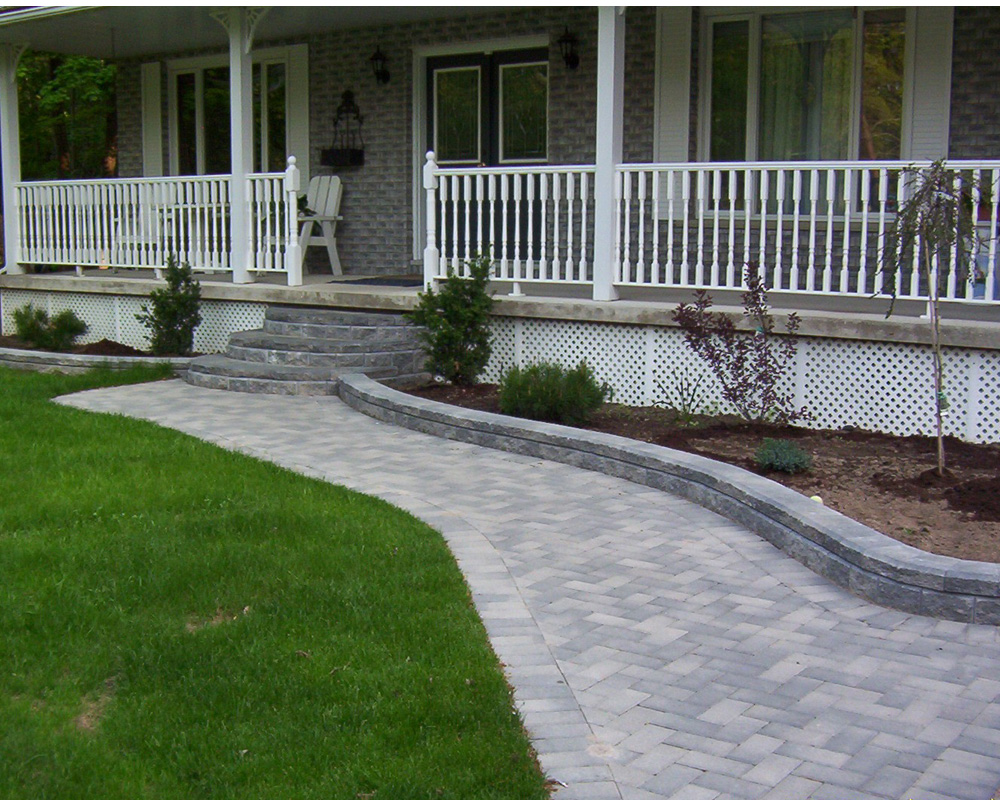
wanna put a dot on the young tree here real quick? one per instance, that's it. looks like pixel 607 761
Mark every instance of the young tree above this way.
pixel 934 228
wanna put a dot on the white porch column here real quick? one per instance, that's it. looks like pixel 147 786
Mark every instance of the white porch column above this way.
pixel 10 154
pixel 610 104
pixel 239 23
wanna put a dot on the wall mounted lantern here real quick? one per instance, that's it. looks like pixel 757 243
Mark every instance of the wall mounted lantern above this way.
pixel 567 47
pixel 348 145
pixel 378 60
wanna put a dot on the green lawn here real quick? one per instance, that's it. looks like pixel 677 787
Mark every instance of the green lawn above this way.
pixel 178 621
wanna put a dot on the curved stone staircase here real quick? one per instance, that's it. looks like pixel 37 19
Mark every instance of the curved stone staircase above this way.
pixel 306 350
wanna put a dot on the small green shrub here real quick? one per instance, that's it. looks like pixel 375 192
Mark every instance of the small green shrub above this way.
pixel 34 327
pixel 456 323
pixel 781 455
pixel 552 393
pixel 173 313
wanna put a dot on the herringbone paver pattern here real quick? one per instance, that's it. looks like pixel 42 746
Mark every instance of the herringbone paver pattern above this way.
pixel 656 649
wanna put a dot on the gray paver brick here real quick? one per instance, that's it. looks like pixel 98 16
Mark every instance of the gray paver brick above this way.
pixel 676 638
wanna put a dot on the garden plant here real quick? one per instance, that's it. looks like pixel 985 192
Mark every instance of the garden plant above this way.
pixel 750 366
pixel 173 312
pixel 455 323
pixel 552 393
pixel 34 326
pixel 934 224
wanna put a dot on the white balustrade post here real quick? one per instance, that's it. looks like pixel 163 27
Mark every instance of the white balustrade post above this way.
pixel 610 105
pixel 10 156
pixel 293 250
pixel 432 256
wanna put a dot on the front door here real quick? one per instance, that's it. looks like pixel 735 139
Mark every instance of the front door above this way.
pixel 488 110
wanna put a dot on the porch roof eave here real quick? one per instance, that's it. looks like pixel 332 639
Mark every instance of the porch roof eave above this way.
pixel 141 31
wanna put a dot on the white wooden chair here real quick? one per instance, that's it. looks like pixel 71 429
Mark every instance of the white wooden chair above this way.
pixel 323 204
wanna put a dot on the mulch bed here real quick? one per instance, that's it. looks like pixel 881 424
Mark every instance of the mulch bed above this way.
pixel 104 347
pixel 887 482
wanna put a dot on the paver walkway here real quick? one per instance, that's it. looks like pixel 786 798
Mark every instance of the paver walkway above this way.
pixel 656 649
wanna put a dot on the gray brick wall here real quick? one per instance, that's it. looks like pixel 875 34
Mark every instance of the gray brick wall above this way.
pixel 376 235
pixel 129 93
pixel 975 84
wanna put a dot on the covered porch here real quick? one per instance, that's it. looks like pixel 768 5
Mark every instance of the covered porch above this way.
pixel 587 221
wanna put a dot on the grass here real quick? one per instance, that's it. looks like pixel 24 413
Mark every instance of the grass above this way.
pixel 180 621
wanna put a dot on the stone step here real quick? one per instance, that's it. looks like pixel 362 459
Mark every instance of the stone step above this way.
pixel 334 316
pixel 305 350
pixel 264 340
pixel 344 332
pixel 401 360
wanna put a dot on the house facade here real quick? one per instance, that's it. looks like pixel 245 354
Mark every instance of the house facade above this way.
pixel 608 160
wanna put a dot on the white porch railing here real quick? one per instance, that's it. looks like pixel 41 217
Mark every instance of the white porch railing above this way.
pixel 817 228
pixel 536 223
pixel 141 222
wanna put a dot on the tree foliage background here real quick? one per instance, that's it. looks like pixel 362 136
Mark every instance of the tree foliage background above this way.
pixel 67 114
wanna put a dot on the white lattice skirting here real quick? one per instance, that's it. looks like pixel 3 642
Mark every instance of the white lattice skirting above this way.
pixel 872 385
pixel 114 316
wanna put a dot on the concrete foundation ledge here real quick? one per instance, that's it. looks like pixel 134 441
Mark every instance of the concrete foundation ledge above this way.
pixel 850 554
pixel 42 361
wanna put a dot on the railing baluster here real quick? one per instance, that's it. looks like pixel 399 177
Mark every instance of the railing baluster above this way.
pixel 793 273
pixel 584 199
pixel 779 243
pixel 543 232
pixel 845 271
pixel 671 178
pixel 699 268
pixel 866 191
pixel 467 201
pixel 813 202
pixel 504 210
pixel 764 181
pixel 570 200
pixel 641 250
pixel 686 200
pixel 716 212
pixel 624 225
pixel 655 228
pixel 556 201
pixel 991 265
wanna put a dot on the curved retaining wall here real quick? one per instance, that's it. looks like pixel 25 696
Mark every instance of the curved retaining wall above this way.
pixel 42 361
pixel 848 553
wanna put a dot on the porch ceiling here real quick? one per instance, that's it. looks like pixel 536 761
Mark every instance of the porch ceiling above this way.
pixel 134 31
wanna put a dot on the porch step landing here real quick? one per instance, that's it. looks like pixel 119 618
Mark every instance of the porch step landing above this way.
pixel 304 351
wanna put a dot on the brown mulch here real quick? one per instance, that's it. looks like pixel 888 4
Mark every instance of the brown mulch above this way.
pixel 887 482
pixel 104 347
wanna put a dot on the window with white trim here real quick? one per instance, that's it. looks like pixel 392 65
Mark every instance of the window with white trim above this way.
pixel 198 92
pixel 802 86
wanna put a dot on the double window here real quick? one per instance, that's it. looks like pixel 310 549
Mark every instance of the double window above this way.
pixel 825 85
pixel 489 108
pixel 199 113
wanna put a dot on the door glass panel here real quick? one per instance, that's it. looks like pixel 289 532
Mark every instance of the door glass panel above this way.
pixel 456 115
pixel 216 94
pixel 805 86
pixel 730 62
pixel 524 95
pixel 187 129
pixel 276 117
pixel 882 84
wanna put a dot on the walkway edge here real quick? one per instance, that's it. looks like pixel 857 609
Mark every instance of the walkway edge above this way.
pixel 852 555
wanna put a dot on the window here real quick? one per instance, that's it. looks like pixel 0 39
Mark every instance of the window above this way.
pixel 199 112
pixel 825 85
pixel 489 108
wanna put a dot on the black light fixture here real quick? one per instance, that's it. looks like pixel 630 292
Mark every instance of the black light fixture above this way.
pixel 378 60
pixel 567 46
